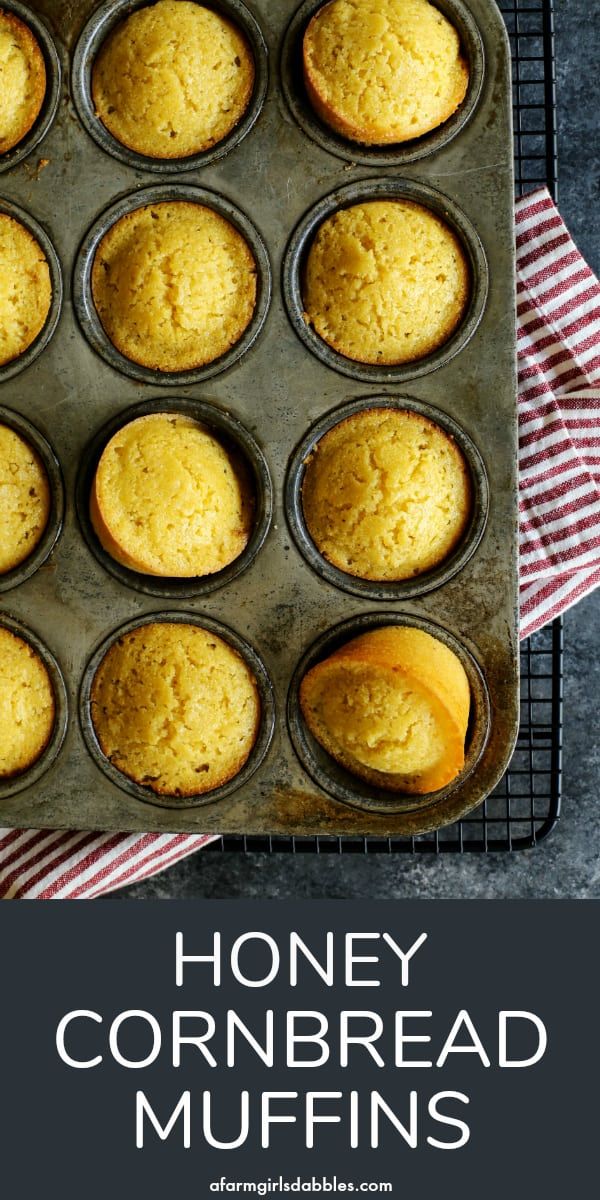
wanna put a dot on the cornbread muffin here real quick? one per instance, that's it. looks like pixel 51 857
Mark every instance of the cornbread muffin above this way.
pixel 27 706
pixel 172 79
pixel 386 282
pixel 24 499
pixel 25 289
pixel 174 285
pixel 382 71
pixel 169 499
pixel 386 494
pixel 22 80
pixel 175 708
pixel 392 706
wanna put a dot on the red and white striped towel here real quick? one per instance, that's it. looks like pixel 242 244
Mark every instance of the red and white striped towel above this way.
pixel 558 320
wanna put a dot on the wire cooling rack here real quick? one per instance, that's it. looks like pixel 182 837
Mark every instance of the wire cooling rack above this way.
pixel 525 806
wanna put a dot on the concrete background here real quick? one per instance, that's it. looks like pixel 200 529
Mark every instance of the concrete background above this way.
pixel 568 864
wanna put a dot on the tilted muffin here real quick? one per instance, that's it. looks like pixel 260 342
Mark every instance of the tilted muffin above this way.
pixel 25 289
pixel 174 285
pixel 386 282
pixel 383 71
pixel 175 708
pixel 172 79
pixel 392 706
pixel 24 499
pixel 27 706
pixel 22 80
pixel 169 499
pixel 386 494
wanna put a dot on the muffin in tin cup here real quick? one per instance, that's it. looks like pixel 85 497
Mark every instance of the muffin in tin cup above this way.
pixel 172 284
pixel 183 132
pixel 314 113
pixel 126 521
pixel 360 295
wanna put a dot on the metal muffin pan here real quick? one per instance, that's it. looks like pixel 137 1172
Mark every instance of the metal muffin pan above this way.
pixel 56 516
pixel 51 100
pixel 100 24
pixel 401 153
pixel 279 392
pixel 267 712
pixel 226 429
pixel 370 589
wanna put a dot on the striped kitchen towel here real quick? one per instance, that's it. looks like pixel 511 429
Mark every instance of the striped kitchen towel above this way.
pixel 558 321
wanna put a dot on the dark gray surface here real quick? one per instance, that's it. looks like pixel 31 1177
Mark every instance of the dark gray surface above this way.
pixel 568 864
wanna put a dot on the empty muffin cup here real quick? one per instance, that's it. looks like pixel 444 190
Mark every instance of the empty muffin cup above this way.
pixel 389 533
pixel 200 239
pixel 245 473
pixel 392 154
pixel 350 339
pixel 360 788
pixel 39 478
pixel 249 58
pixel 44 105
pixel 34 699
pixel 36 299
pixel 211 719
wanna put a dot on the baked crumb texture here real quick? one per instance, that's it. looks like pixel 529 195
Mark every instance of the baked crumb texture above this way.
pixel 27 705
pixel 386 495
pixel 22 80
pixel 169 499
pixel 172 79
pixel 383 71
pixel 24 499
pixel 175 708
pixel 386 282
pixel 25 289
pixel 392 706
pixel 174 285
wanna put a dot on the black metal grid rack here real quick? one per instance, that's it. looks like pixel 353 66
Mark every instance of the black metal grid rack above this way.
pixel 525 806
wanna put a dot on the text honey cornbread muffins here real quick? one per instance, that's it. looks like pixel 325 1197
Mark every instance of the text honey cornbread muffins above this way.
pixel 172 79
pixel 170 499
pixel 27 705
pixel 174 285
pixel 22 80
pixel 383 71
pixel 386 494
pixel 392 707
pixel 24 499
pixel 386 282
pixel 175 708
pixel 25 288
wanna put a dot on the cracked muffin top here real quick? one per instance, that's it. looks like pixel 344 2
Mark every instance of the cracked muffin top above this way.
pixel 172 79
pixel 25 288
pixel 27 705
pixel 22 80
pixel 170 499
pixel 386 282
pixel 175 708
pixel 174 285
pixel 383 71
pixel 24 499
pixel 386 494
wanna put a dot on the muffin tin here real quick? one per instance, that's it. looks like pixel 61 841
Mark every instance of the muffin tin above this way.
pixel 272 399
